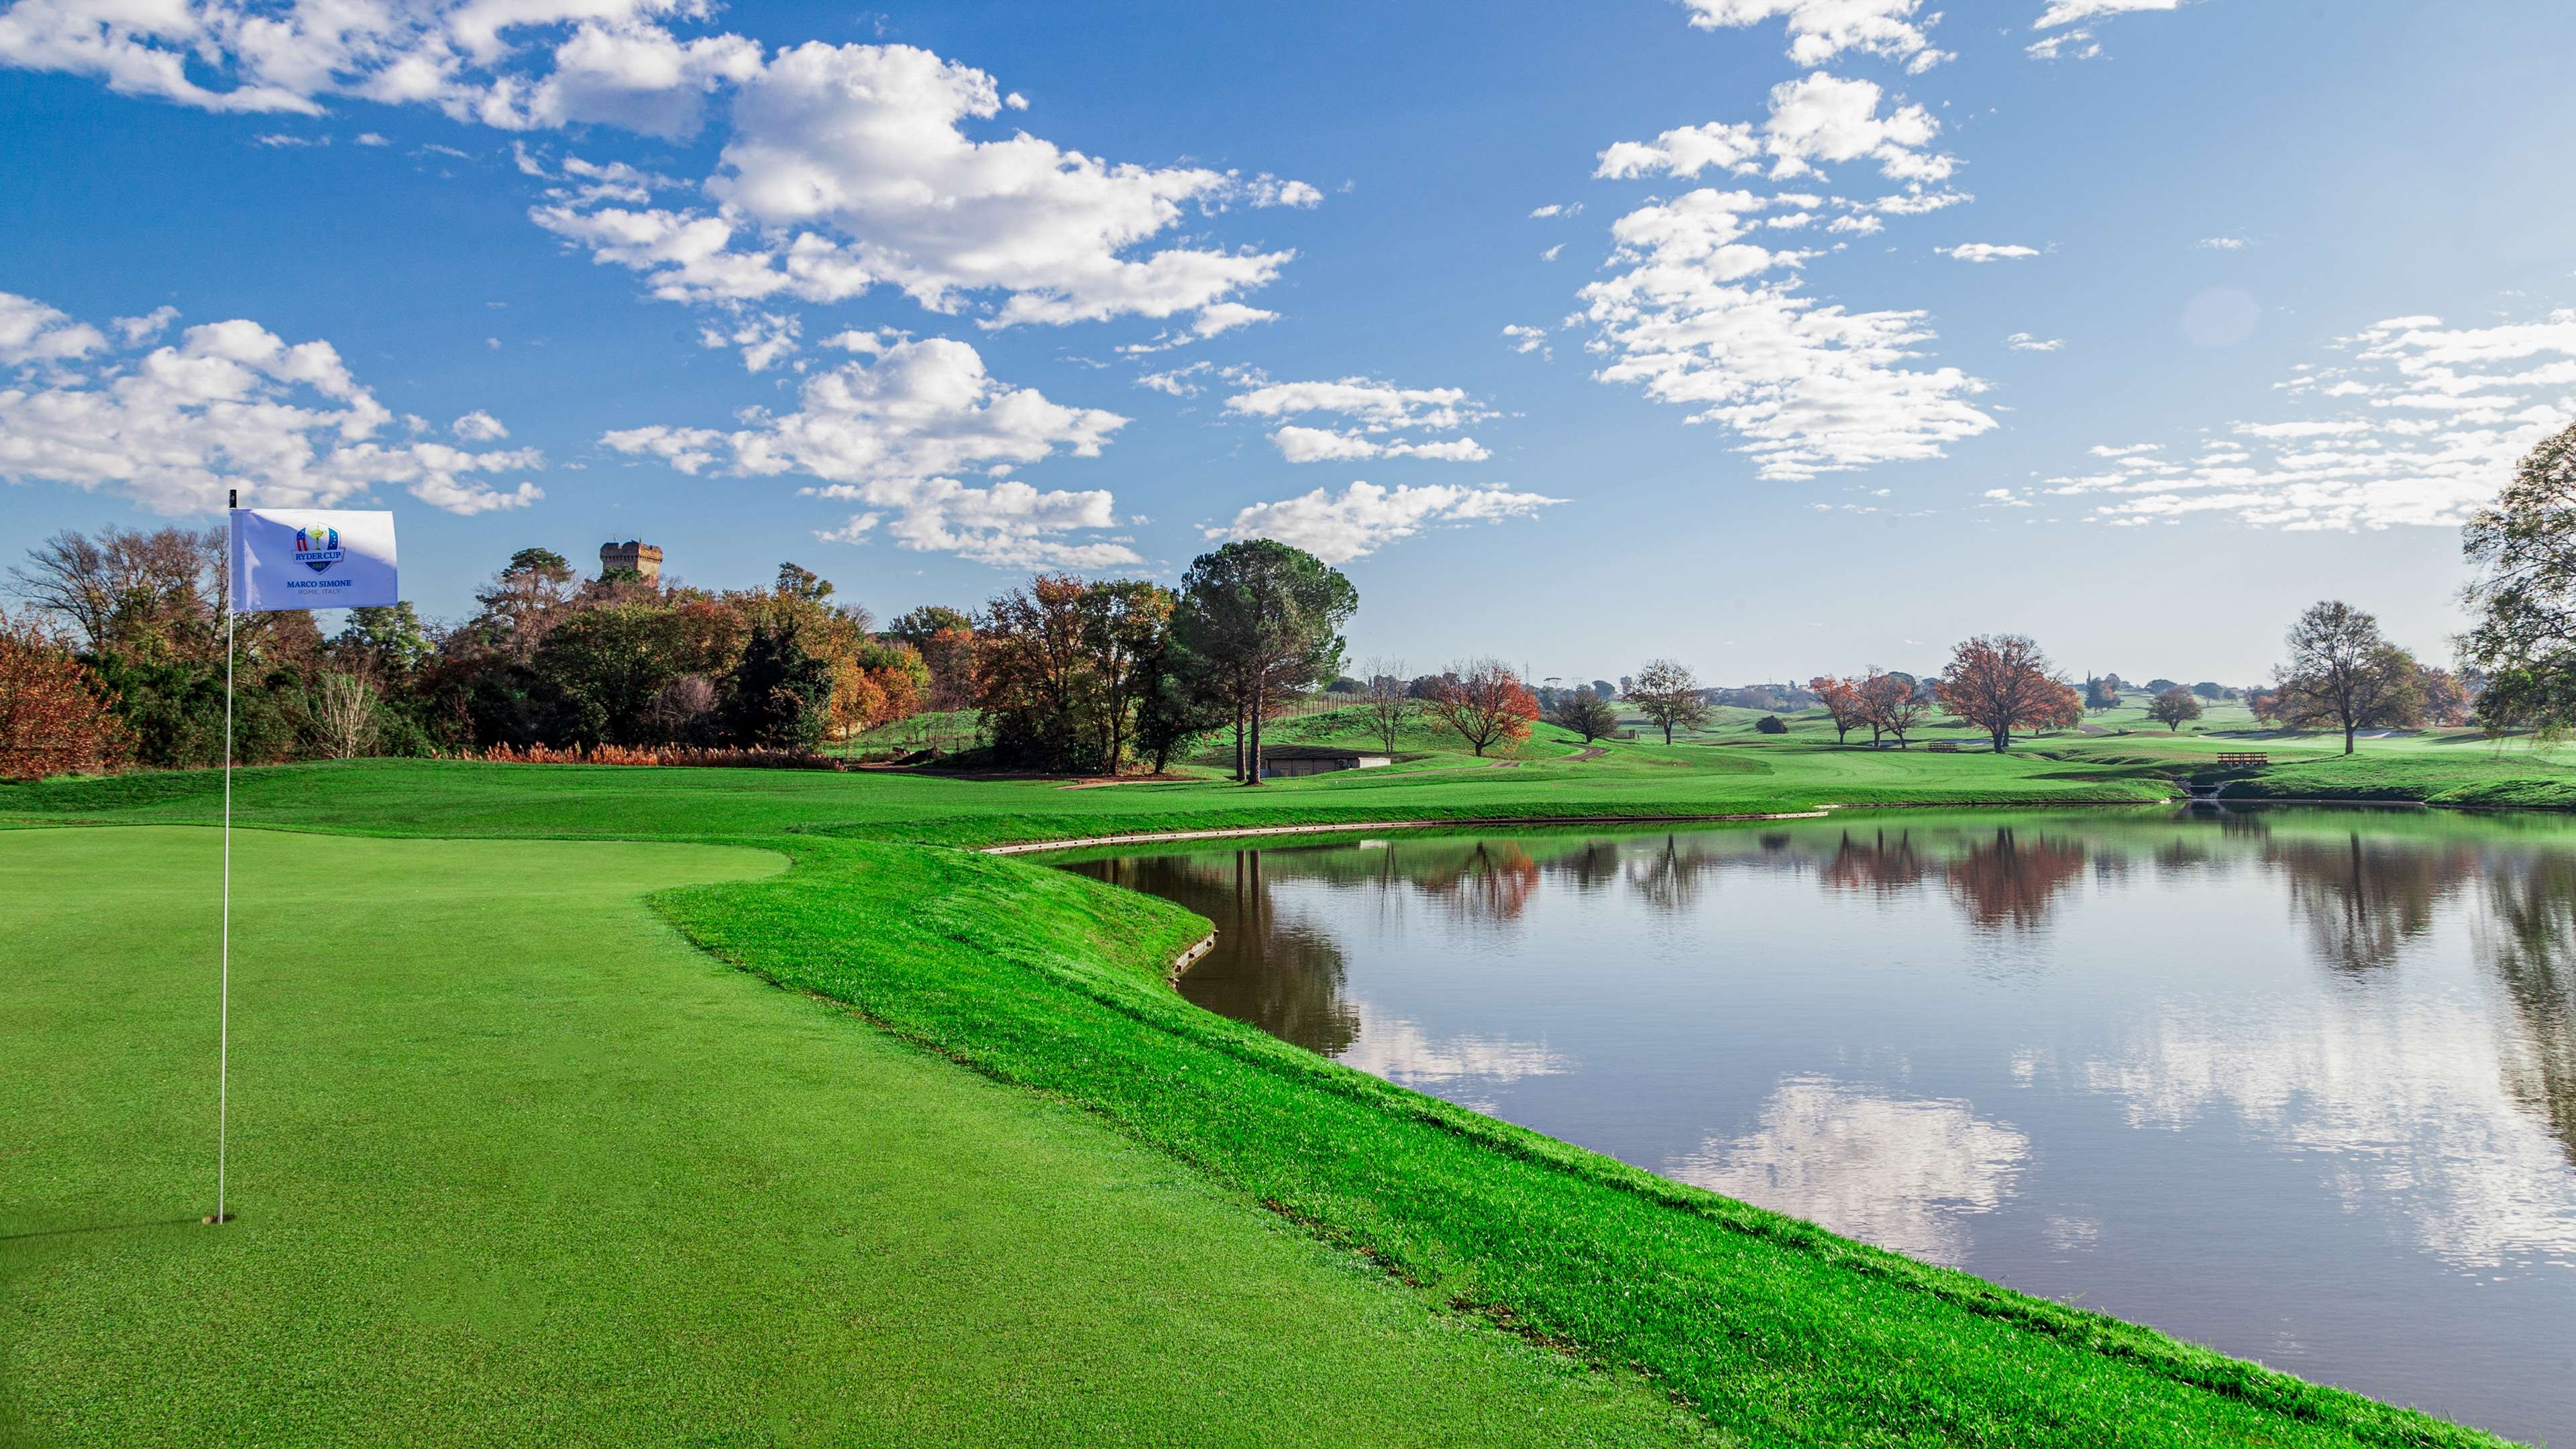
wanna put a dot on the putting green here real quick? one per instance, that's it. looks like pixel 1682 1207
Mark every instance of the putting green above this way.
pixel 514 1164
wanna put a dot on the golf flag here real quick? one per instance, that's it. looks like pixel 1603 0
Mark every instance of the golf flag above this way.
pixel 311 558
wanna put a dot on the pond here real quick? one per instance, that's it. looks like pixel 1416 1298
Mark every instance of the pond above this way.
pixel 2297 1083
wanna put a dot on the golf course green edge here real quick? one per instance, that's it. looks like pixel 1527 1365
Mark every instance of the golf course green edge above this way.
pixel 1771 1328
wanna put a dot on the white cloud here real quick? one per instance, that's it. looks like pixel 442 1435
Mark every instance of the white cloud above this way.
pixel 1857 223
pixel 1811 388
pixel 479 426
pixel 1372 409
pixel 135 331
pixel 1527 339
pixel 2221 243
pixel 2069 12
pixel 2026 342
pixel 1818 120
pixel 1819 30
pixel 2442 416
pixel 848 168
pixel 764 337
pixel 887 431
pixel 1364 517
pixel 1565 209
pixel 1176 382
pixel 1986 252
pixel 370 138
pixel 1552 253
pixel 32 332
pixel 230 405
pixel 2076 44
pixel 843 167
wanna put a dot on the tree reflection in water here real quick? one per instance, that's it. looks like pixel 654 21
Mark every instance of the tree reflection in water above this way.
pixel 2363 899
pixel 2531 944
pixel 1285 976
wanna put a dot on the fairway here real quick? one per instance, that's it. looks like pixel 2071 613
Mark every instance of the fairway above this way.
pixel 515 1164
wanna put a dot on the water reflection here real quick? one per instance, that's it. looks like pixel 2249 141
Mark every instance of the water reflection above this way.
pixel 2298 1083
pixel 1901 1172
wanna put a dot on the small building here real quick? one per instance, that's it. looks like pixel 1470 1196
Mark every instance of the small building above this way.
pixel 643 558
pixel 1278 761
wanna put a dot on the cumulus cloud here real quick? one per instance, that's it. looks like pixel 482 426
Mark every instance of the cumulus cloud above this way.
pixel 1703 317
pixel 1371 411
pixel 1986 252
pixel 1819 30
pixel 2027 342
pixel 2221 243
pixel 479 426
pixel 2414 422
pixel 32 332
pixel 843 167
pixel 1363 518
pixel 230 405
pixel 848 167
pixel 1816 121
pixel 888 432
pixel 1527 339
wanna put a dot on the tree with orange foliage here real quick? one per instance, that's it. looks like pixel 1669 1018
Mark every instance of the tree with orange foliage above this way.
pixel 50 723
pixel 2002 682
pixel 1485 702
pixel 1890 703
pixel 1841 700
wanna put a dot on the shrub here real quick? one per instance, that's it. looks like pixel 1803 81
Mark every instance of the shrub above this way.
pixel 1770 724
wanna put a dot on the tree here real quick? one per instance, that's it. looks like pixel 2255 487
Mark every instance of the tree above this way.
pixel 1770 724
pixel 1386 701
pixel 1841 701
pixel 2002 682
pixel 1485 703
pixel 2101 693
pixel 1604 690
pixel 2174 708
pixel 1891 703
pixel 51 721
pixel 2523 639
pixel 2446 699
pixel 782 691
pixel 123 577
pixel 2159 686
pixel 1036 678
pixel 2343 671
pixel 1124 626
pixel 341 714
pixel 1585 713
pixel 388 639
pixel 523 599
pixel 2210 689
pixel 1667 693
pixel 1265 619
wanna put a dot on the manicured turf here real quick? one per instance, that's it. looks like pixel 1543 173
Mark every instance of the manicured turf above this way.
pixel 1774 1332
pixel 515 1165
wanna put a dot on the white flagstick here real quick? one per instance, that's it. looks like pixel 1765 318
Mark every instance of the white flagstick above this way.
pixel 224 997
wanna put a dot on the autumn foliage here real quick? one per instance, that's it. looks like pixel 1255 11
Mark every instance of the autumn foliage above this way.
pixel 1485 703
pixel 2002 682
pixel 50 721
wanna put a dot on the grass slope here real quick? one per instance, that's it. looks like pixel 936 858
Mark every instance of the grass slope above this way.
pixel 517 1165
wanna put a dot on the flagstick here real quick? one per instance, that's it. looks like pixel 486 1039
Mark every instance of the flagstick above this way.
pixel 224 996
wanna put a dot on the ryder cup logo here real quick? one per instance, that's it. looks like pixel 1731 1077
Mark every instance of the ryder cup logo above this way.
pixel 317 548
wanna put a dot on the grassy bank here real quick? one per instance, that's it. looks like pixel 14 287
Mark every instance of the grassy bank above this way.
pixel 1770 1330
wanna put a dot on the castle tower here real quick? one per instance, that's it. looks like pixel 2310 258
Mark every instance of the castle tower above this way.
pixel 644 558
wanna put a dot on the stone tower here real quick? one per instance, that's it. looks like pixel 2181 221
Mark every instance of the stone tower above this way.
pixel 644 558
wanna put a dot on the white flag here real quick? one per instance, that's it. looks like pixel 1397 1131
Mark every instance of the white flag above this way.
pixel 310 558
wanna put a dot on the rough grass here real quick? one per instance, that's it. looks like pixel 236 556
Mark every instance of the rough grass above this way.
pixel 514 1164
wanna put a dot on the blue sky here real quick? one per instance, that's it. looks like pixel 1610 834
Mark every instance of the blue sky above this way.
pixel 2133 326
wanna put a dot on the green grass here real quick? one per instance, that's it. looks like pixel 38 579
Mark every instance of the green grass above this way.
pixel 514 1164
pixel 1772 1331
